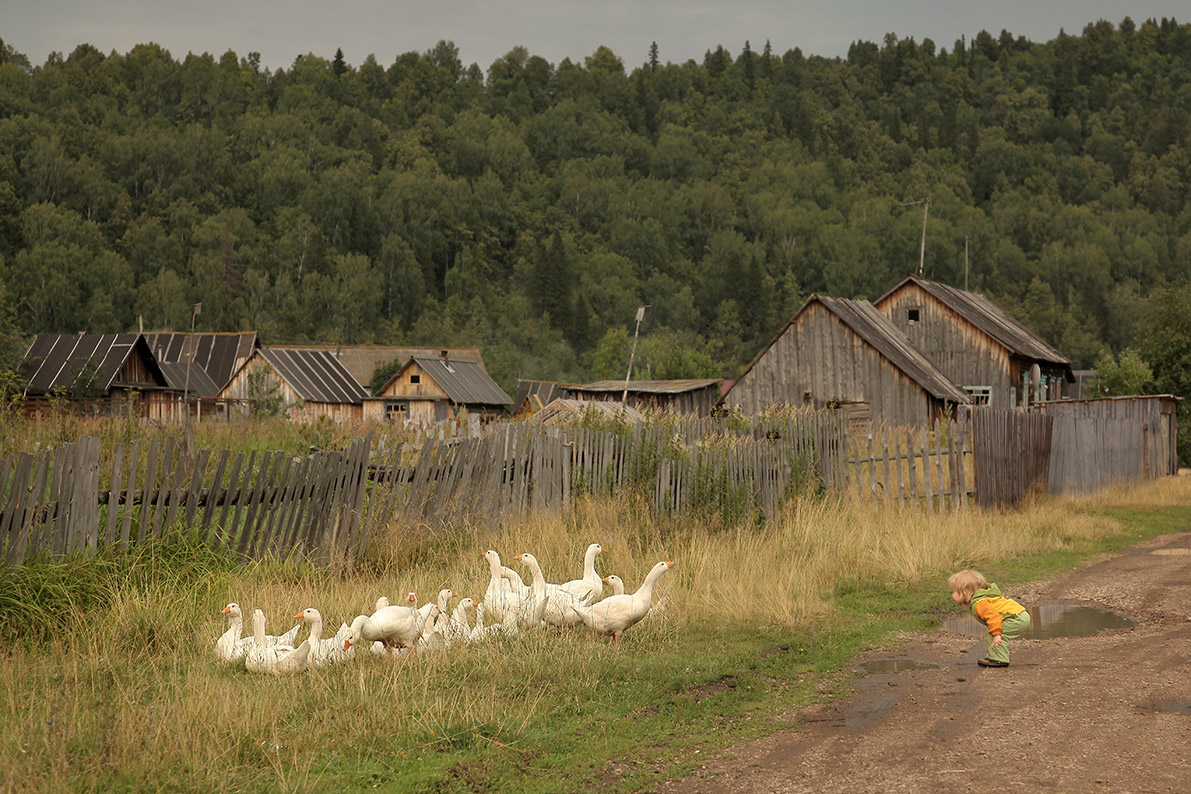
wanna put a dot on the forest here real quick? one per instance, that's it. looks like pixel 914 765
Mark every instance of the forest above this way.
pixel 529 208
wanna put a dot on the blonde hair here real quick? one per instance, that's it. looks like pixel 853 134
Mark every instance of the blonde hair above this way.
pixel 967 582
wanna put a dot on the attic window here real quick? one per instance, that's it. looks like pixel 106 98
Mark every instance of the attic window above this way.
pixel 912 315
pixel 415 378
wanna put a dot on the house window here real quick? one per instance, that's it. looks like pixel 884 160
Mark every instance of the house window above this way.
pixel 415 378
pixel 981 395
pixel 396 411
pixel 912 315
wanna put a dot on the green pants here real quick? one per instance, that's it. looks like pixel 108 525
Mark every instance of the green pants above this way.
pixel 1011 629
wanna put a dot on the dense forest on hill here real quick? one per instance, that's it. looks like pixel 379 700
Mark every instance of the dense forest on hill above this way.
pixel 531 207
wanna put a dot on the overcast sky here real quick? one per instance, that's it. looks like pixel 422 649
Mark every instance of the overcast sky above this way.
pixel 280 30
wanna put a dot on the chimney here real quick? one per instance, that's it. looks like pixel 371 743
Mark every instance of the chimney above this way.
pixel 445 360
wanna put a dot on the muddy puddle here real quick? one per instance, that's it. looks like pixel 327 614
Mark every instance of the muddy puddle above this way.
pixel 1050 621
pixel 893 666
pixel 1172 707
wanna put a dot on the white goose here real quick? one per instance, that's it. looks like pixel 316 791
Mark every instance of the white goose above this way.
pixel 615 614
pixel 231 646
pixel 394 626
pixel 500 601
pixel 323 652
pixel 615 582
pixel 558 607
pixel 457 627
pixel 277 659
pixel 588 589
pixel 439 624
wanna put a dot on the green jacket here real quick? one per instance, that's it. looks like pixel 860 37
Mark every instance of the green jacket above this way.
pixel 991 608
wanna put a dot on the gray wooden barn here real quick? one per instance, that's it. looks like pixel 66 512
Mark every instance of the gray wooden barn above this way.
pixel 976 344
pixel 682 395
pixel 843 353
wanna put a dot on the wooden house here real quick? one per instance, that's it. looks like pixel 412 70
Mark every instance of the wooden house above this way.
pixel 362 361
pixel 432 389
pixel 110 372
pixel 218 355
pixel 976 344
pixel 845 354
pixel 693 396
pixel 309 383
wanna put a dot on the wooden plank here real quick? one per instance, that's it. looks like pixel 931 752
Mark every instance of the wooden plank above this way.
pixel 54 535
pixel 212 495
pixel 872 467
pixel 113 503
pixel 926 483
pixel 88 513
pixel 961 472
pixel 194 494
pixel 13 531
pixel 939 466
pixel 129 491
pixel 291 504
pixel 169 466
pixel 273 507
pixel 149 491
pixel 885 462
pixel 256 493
pixel 901 487
pixel 243 495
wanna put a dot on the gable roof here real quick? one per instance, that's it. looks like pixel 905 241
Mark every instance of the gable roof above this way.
pixel 989 318
pixel 219 354
pixel 316 375
pixel 196 383
pixel 53 361
pixel 542 392
pixel 465 382
pixel 876 329
pixel 361 361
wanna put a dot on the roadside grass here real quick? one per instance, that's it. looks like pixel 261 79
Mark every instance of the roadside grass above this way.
pixel 108 681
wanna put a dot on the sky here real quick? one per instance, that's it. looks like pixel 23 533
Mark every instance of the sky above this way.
pixel 280 30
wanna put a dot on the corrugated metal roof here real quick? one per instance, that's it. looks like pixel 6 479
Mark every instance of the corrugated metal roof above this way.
pixel 676 386
pixel 990 318
pixel 465 382
pixel 316 375
pixel 219 354
pixel 199 385
pixel 54 361
pixel 562 411
pixel 361 361
pixel 876 329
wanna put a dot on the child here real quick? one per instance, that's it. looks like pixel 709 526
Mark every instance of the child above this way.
pixel 1006 619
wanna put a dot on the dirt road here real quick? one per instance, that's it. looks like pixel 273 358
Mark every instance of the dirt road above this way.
pixel 1110 712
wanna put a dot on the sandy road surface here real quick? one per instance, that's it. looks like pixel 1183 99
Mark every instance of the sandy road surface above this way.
pixel 1110 712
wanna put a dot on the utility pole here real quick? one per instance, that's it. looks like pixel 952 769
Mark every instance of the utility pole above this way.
pixel 640 316
pixel 922 246
pixel 198 309
pixel 965 263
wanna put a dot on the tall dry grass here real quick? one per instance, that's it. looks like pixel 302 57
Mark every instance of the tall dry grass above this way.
pixel 126 691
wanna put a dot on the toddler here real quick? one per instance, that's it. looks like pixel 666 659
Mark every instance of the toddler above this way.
pixel 1006 619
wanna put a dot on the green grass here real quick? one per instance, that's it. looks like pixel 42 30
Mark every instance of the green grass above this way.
pixel 108 682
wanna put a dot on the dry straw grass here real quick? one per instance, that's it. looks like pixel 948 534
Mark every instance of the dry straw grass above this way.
pixel 134 687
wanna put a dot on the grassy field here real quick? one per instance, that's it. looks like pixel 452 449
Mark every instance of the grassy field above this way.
pixel 108 680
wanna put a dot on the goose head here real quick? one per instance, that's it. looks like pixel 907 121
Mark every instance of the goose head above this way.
pixel 309 615
pixel 233 609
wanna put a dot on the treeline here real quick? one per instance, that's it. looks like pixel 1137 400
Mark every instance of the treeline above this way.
pixel 530 208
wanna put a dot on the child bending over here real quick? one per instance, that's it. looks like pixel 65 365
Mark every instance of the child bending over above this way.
pixel 1006 619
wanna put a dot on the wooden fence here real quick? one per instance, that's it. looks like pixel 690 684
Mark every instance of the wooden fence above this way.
pixel 254 504
pixel 912 465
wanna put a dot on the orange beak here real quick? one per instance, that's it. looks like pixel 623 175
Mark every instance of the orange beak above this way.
pixel 604 580
pixel 226 610
pixel 669 565
pixel 517 558
pixel 299 616
pixel 347 644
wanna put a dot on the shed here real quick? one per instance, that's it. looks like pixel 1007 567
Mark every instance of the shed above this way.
pixel 435 389
pixel 843 353
pixel 310 383
pixel 696 396
pixel 976 343
pixel 563 411
pixel 114 366
pixel 219 355
pixel 534 395
pixel 1151 417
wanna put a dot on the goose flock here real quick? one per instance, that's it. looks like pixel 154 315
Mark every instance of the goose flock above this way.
pixel 510 606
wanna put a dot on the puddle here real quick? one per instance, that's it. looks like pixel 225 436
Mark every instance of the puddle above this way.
pixel 1172 706
pixel 1175 551
pixel 1048 621
pixel 894 666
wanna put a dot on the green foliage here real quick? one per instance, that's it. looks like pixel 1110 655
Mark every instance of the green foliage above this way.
pixel 529 208
pixel 263 388
pixel 1124 374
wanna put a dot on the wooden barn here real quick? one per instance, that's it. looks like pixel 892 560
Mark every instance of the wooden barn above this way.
pixel 534 395
pixel 310 384
pixel 845 354
pixel 692 396
pixel 976 344
pixel 218 355
pixel 432 389
pixel 118 370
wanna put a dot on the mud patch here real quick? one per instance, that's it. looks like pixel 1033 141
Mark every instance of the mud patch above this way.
pixel 1176 552
pixel 894 666
pixel 1171 707
pixel 712 688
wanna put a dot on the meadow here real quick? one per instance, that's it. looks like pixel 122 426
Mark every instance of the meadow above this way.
pixel 108 680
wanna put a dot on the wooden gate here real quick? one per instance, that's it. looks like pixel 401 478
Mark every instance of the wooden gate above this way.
pixel 1010 454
